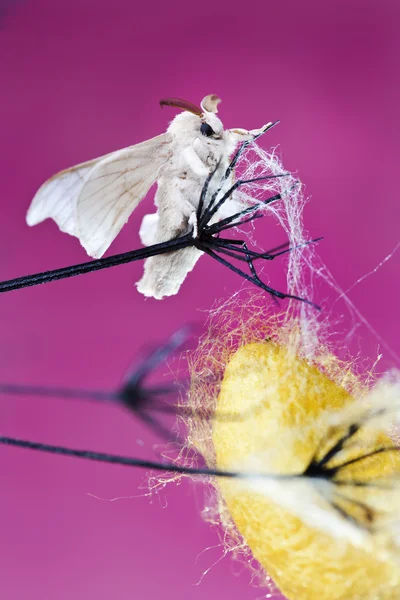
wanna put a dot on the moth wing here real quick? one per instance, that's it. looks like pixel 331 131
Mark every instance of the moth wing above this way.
pixel 113 189
pixel 56 199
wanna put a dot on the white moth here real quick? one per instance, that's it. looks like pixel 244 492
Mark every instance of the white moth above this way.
pixel 93 200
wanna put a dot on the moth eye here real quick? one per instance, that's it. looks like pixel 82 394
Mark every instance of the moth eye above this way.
pixel 206 130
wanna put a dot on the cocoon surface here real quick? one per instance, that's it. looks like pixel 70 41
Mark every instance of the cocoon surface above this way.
pixel 278 402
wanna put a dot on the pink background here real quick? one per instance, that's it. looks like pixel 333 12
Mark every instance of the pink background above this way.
pixel 82 78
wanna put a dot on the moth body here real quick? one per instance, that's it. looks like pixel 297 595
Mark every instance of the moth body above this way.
pixel 93 201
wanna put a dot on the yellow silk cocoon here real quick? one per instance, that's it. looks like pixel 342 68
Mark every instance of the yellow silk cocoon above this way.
pixel 283 399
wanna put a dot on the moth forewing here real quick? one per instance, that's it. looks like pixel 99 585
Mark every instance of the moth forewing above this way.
pixel 113 190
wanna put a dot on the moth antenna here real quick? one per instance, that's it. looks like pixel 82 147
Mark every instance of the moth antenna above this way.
pixel 210 103
pixel 182 104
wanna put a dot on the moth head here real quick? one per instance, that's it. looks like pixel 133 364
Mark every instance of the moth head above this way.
pixel 201 119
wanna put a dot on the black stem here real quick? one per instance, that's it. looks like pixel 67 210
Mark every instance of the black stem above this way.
pixel 229 225
pixel 212 209
pixel 250 254
pixel 208 249
pixel 133 462
pixel 204 193
pixel 159 355
pixel 358 459
pixel 217 227
pixel 112 458
pixel 73 394
pixel 96 265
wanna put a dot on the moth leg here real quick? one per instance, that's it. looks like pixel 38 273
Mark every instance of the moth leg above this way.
pixel 148 229
pixel 242 135
pixel 231 207
pixel 194 224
